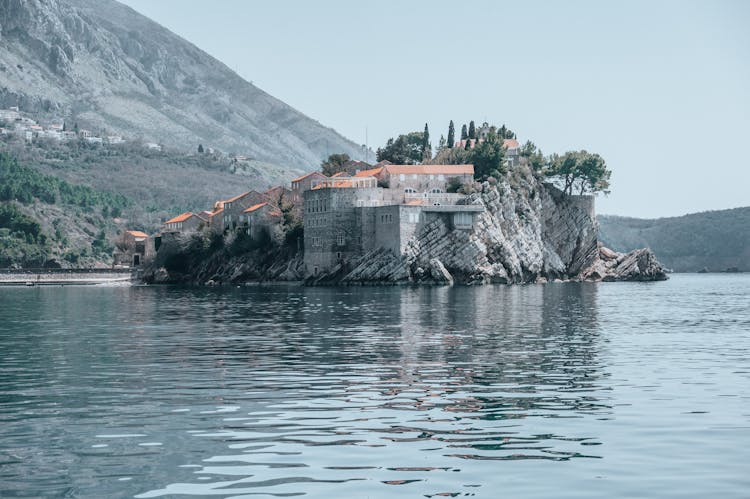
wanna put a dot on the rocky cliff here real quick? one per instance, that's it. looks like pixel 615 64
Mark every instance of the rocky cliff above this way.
pixel 529 232
pixel 100 63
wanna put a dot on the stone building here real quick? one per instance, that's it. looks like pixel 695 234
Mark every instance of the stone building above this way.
pixel 305 183
pixel 185 222
pixel 346 217
pixel 264 219
pixel 133 248
pixel 234 207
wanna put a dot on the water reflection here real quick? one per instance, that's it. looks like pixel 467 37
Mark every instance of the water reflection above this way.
pixel 285 391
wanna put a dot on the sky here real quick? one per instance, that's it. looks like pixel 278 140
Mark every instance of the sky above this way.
pixel 660 89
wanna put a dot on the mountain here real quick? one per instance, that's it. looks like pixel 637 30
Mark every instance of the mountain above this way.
pixel 101 64
pixel 713 240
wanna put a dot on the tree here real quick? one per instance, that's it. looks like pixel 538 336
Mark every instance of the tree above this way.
pixel 467 145
pixel 579 171
pixel 200 148
pixel 334 164
pixel 472 130
pixel 451 135
pixel 534 156
pixel 464 132
pixel 404 150
pixel 441 143
pixel 488 157
pixel 426 147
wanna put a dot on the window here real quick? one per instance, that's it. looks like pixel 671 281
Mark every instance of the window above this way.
pixel 462 219
pixel 436 191
pixel 409 190
pixel 340 240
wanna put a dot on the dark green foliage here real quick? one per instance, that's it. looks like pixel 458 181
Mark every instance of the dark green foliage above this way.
pixel 292 226
pixel 24 184
pixel 714 240
pixel 464 132
pixel 426 147
pixel 579 172
pixel 200 148
pixel 22 240
pixel 472 130
pixel 533 156
pixel 334 164
pixel 451 134
pixel 488 157
pixel 454 184
pixel 404 150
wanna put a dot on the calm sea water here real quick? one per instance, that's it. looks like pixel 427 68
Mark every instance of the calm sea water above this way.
pixel 561 390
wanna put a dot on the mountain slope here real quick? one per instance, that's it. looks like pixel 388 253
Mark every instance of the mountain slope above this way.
pixel 715 240
pixel 107 67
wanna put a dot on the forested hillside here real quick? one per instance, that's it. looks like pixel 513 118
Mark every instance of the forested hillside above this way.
pixel 713 240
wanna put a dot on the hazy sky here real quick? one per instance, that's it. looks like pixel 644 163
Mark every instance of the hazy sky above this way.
pixel 661 89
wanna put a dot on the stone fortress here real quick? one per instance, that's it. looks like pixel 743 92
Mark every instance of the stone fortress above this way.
pixel 346 217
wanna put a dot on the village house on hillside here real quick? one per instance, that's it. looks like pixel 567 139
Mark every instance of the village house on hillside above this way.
pixel 184 223
pixel 384 207
pixel 133 248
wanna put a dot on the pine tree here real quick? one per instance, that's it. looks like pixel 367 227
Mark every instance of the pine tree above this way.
pixel 426 148
pixel 472 130
pixel 451 135
pixel 464 133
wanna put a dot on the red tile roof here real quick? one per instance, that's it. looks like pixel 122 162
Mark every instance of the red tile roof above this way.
pixel 372 172
pixel 510 143
pixel 307 175
pixel 255 207
pixel 179 218
pixel 237 197
pixel 431 169
pixel 136 233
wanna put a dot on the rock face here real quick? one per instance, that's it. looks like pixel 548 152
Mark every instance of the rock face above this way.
pixel 529 232
pixel 99 63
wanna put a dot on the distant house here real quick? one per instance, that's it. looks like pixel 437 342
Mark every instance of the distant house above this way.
pixel 94 140
pixel 84 134
pixel 279 196
pixel 153 146
pixel 134 248
pixel 234 207
pixel 264 219
pixel 113 139
pixel 305 183
pixel 512 152
pixel 185 222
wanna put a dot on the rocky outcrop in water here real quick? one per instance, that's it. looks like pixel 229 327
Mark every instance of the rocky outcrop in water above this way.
pixel 529 232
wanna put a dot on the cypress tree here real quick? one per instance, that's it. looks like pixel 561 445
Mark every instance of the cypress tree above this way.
pixel 472 130
pixel 200 148
pixel 464 133
pixel 451 135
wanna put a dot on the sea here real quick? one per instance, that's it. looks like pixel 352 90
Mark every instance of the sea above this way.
pixel 565 390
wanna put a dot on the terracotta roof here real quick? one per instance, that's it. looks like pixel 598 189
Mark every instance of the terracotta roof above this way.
pixel 338 184
pixel 136 233
pixel 307 175
pixel 372 172
pixel 237 197
pixel 431 169
pixel 510 143
pixel 339 174
pixel 255 207
pixel 179 218
pixel 216 212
